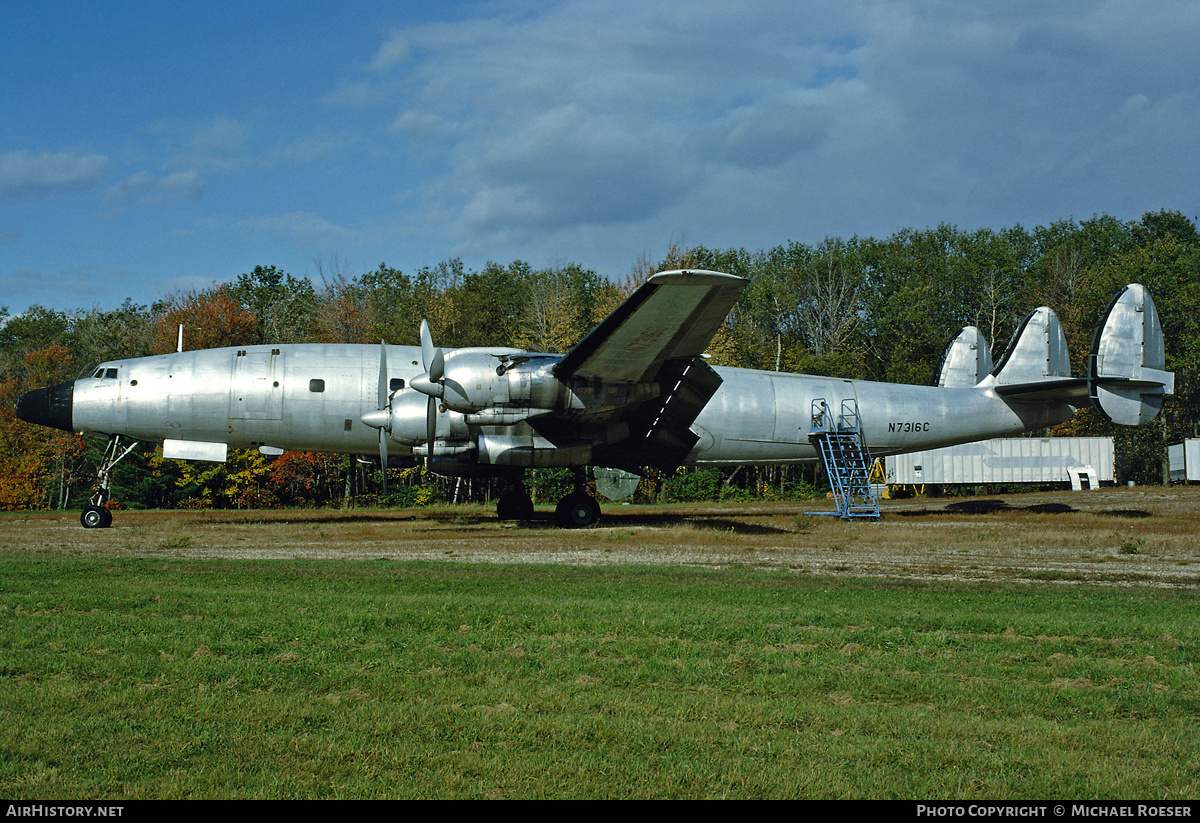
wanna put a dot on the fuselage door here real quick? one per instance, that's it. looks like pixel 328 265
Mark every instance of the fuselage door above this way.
pixel 256 392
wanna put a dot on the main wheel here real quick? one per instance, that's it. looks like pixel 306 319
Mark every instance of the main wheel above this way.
pixel 95 517
pixel 577 511
pixel 514 506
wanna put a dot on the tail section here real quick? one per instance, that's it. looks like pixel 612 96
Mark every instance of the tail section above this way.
pixel 966 362
pixel 1037 354
pixel 1127 377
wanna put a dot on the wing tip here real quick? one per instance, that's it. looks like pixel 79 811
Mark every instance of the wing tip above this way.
pixel 694 276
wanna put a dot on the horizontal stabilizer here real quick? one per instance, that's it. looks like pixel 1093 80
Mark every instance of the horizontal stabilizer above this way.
pixel 1127 366
pixel 1073 390
pixel 966 362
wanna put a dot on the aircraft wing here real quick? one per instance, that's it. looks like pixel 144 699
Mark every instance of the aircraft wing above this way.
pixel 672 316
pixel 655 337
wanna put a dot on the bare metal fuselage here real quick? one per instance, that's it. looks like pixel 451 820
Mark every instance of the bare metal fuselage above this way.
pixel 313 397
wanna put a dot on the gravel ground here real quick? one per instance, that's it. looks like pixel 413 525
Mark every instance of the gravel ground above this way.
pixel 1143 536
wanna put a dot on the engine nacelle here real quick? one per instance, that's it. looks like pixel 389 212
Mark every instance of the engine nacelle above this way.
pixel 474 380
pixel 502 387
pixel 407 422
pixel 531 451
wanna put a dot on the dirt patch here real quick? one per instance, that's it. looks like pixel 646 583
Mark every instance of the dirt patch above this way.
pixel 1119 536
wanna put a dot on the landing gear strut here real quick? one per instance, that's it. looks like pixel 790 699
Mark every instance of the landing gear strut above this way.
pixel 97 515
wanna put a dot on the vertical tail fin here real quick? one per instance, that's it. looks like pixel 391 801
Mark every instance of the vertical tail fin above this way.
pixel 1127 377
pixel 1038 352
pixel 966 361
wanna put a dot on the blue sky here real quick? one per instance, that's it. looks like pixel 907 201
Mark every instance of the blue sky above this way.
pixel 148 147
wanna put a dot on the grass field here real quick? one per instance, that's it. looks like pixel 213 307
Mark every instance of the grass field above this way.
pixel 127 676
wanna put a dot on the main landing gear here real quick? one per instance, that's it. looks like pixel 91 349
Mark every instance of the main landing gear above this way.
pixel 578 510
pixel 97 515
pixel 516 504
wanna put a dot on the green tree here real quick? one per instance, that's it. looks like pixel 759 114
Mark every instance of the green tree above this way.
pixel 282 305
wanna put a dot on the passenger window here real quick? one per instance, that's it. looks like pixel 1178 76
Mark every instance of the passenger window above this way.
pixel 316 385
pixel 395 383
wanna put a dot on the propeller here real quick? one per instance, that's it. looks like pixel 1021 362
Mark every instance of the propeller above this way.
pixel 435 368
pixel 464 380
pixel 431 357
pixel 383 405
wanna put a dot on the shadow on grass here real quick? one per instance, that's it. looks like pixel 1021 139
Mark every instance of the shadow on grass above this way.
pixel 484 517
pixel 994 506
pixel 257 518
pixel 544 519
pixel 661 520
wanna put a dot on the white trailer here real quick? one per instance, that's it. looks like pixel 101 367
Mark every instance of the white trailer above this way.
pixel 1008 460
pixel 1185 461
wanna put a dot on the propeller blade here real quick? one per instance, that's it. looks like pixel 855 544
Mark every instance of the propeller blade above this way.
pixel 437 369
pixel 383 458
pixel 426 344
pixel 382 404
pixel 431 356
pixel 383 377
pixel 431 423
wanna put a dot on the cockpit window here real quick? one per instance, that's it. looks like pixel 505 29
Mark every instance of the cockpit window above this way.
pixel 105 374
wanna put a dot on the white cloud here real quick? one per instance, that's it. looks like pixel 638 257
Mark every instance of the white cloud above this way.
pixel 352 95
pixel 597 132
pixel 25 175
pixel 303 226
pixel 222 135
pixel 172 189
pixel 394 50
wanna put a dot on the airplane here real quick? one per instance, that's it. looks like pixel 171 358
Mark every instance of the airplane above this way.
pixel 635 392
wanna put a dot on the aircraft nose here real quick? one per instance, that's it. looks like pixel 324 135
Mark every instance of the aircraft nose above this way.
pixel 50 406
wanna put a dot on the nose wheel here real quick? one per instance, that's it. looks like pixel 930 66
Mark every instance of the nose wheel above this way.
pixel 97 515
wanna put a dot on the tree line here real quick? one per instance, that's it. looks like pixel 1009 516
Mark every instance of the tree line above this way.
pixel 868 308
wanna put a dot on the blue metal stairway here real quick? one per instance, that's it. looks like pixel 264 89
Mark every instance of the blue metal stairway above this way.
pixel 847 463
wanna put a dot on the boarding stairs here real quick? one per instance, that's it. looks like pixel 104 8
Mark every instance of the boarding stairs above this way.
pixel 838 439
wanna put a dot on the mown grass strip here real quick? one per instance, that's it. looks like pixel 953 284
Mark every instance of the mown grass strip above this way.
pixel 131 678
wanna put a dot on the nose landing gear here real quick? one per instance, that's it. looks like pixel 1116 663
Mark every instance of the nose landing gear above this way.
pixel 97 515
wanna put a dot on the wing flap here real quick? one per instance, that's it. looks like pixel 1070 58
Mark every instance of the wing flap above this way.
pixel 660 429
